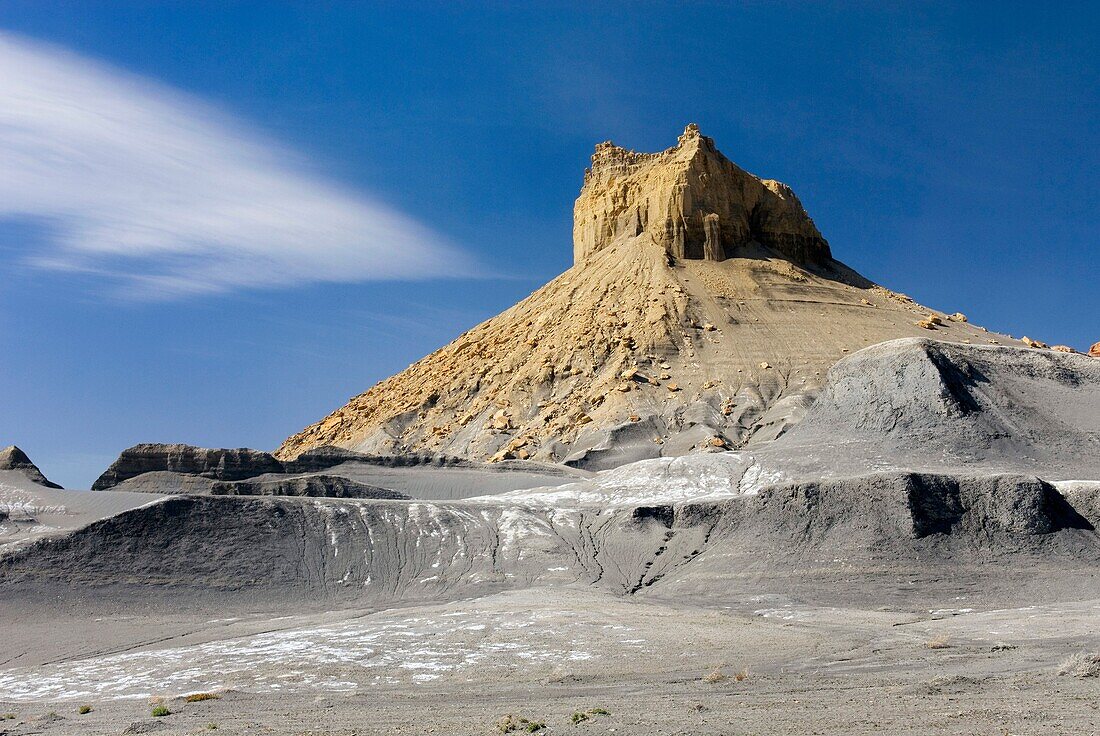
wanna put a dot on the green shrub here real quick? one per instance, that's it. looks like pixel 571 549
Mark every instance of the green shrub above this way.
pixel 84 710
pixel 511 724
pixel 161 710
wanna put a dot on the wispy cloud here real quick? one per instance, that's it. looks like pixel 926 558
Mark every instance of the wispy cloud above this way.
pixel 145 184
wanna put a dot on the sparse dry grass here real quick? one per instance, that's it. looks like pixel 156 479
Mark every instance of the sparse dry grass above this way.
pixel 581 716
pixel 84 710
pixel 718 675
pixel 1082 664
pixel 938 642
pixel 715 677
pixel 199 697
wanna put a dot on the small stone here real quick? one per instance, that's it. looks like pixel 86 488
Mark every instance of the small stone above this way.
pixel 673 387
pixel 635 418
pixel 957 317
pixel 927 324
pixel 709 327
pixel 765 365
pixel 717 442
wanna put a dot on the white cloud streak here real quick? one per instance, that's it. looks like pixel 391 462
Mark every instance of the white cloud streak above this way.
pixel 141 183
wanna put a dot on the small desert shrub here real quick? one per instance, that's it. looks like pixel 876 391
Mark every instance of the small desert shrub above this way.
pixel 1082 664
pixel 199 697
pixel 211 727
pixel 84 710
pixel 161 710
pixel 742 674
pixel 512 724
pixel 939 642
pixel 7 716
pixel 581 716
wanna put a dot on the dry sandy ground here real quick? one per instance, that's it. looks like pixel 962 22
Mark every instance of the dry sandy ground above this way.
pixel 544 655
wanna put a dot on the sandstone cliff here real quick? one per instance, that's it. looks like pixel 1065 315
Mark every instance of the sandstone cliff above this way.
pixel 701 313
pixel 693 202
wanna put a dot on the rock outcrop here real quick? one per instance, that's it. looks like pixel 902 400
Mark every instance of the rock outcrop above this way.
pixel 710 284
pixel 217 464
pixel 1094 351
pixel 691 201
pixel 925 404
pixel 314 486
pixel 12 458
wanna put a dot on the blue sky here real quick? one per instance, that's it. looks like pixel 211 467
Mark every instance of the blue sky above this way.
pixel 214 215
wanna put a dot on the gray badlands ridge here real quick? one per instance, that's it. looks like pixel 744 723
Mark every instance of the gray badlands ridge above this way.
pixel 708 445
pixel 914 450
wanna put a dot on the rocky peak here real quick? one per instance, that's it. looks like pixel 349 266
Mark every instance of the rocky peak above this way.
pixel 692 201
pixel 12 458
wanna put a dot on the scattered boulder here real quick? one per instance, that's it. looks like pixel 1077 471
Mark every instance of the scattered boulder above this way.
pixel 957 317
pixel 1094 351
pixel 1033 343
pixel 1063 349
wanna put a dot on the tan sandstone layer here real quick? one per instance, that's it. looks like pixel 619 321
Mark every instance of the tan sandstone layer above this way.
pixel 701 313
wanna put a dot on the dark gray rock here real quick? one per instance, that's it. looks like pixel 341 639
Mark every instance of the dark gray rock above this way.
pixel 317 486
pixel 923 404
pixel 824 533
pixel 217 464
